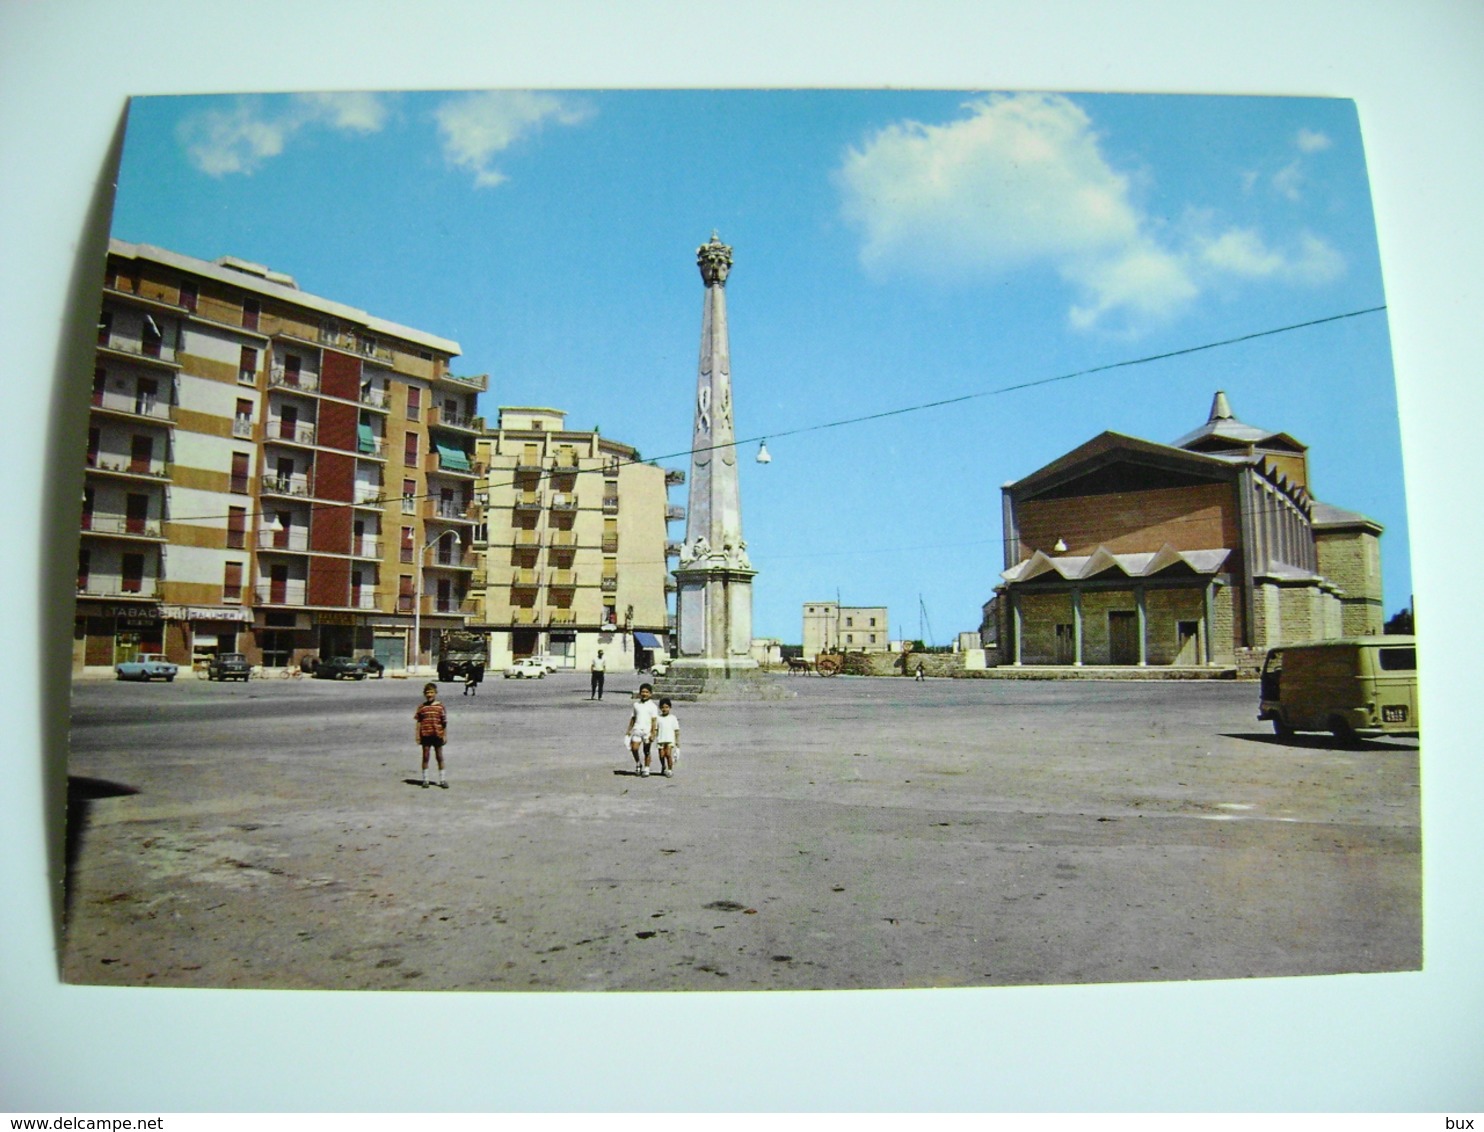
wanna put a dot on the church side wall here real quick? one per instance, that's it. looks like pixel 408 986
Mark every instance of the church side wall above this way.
pixel 1188 518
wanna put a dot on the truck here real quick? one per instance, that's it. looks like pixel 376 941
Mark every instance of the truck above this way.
pixel 460 651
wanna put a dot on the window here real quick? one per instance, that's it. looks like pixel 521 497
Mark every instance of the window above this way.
pixel 132 572
pixel 850 621
pixel 414 403
pixel 105 327
pixel 189 294
pixel 232 582
pixel 87 508
pixel 404 593
pixel 407 544
pixel 409 496
pixel 409 450
pixel 247 367
pixel 292 366
pixel 84 567
pixel 240 463
pixel 250 311
pixel 141 453
pixel 100 384
pixel 236 527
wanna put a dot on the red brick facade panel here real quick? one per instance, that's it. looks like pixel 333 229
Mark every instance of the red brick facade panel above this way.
pixel 337 426
pixel 329 580
pixel 341 375
pixel 1198 517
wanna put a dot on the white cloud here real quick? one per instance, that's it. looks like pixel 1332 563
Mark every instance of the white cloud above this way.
pixel 239 138
pixel 1020 181
pixel 1312 141
pixel 477 127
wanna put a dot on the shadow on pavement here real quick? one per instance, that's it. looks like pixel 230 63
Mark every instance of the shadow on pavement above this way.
pixel 81 794
pixel 1318 741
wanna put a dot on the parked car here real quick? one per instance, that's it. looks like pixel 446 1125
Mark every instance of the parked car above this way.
pixel 371 667
pixel 149 666
pixel 528 669
pixel 547 662
pixel 228 666
pixel 660 666
pixel 339 667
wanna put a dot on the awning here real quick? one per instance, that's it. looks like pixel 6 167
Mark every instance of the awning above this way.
pixel 367 438
pixel 455 458
pixel 647 640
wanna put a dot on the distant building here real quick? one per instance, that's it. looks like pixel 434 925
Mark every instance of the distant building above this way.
pixel 573 557
pixel 854 628
pixel 1204 552
pixel 263 468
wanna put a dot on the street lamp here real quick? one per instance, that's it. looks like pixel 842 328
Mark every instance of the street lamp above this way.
pixel 417 600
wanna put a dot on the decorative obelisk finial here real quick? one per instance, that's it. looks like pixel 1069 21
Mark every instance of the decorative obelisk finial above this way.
pixel 714 598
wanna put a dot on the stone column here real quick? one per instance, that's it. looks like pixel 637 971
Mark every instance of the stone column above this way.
pixel 714 577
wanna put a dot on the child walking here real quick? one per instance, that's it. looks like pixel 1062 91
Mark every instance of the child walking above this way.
pixel 639 731
pixel 667 737
pixel 432 731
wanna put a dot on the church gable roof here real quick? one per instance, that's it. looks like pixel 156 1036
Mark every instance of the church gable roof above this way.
pixel 1112 463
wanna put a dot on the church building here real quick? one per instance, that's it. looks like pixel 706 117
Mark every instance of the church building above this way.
pixel 1201 553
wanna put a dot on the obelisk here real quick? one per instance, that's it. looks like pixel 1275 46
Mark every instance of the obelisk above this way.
pixel 713 604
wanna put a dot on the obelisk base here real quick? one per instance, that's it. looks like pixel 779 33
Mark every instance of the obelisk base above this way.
pixel 737 679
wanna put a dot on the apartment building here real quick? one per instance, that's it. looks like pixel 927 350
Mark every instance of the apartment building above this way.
pixel 268 472
pixel 829 625
pixel 576 544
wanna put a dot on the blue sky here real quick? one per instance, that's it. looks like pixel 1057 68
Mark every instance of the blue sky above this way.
pixel 891 249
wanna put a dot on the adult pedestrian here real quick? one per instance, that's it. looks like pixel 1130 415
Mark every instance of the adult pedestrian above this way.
pixel 599 668
pixel 919 678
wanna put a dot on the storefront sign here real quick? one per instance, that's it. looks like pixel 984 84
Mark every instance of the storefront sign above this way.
pixel 337 619
pixel 204 613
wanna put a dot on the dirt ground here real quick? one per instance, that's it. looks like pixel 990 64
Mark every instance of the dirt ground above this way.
pixel 866 833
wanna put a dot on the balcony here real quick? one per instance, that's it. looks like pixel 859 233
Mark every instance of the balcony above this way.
pixel 674 477
pixel 478 381
pixel 121 526
pixel 300 486
pixel 441 557
pixel 278 430
pixel 525 579
pixel 139 589
pixel 363 598
pixel 449 510
pixel 562 579
pixel 365 547
pixel 370 494
pixel 295 592
pixel 374 398
pixel 609 583
pixel 294 540
pixel 522 615
pixel 479 579
pixel 674 513
pixel 610 505
pixel 136 406
pixel 446 462
pixel 370 446
pixel 528 501
pixel 563 540
pixel 610 544
pixel 527 540
pixel 439 417
pixel 562 617
pixel 136 349
pixel 128 469
pixel 281 378
pixel 563 501
pixel 242 427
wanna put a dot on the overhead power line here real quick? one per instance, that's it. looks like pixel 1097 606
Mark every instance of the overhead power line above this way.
pixel 923 406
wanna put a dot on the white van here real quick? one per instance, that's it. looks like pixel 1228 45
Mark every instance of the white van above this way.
pixel 1354 687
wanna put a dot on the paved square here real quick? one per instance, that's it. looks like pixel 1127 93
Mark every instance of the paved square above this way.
pixel 867 833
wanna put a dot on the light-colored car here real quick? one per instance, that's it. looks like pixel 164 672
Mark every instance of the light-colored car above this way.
pixel 528 669
pixel 547 662
pixel 149 666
